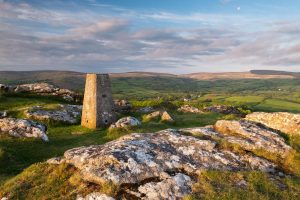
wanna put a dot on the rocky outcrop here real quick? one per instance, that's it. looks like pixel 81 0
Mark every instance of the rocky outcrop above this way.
pixel 158 165
pixel 122 106
pixel 125 122
pixel 64 113
pixel 42 89
pixel 189 109
pixel 3 114
pixel 163 115
pixel 23 128
pixel 288 123
pixel 248 135
pixel 222 109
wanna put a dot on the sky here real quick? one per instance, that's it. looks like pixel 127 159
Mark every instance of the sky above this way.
pixel 170 36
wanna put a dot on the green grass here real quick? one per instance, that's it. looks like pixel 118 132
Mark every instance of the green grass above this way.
pixel 245 99
pixel 278 105
pixel 221 185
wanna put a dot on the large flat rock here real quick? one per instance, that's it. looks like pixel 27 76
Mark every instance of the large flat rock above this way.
pixel 158 165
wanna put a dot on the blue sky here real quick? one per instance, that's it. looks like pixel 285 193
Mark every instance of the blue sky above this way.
pixel 172 36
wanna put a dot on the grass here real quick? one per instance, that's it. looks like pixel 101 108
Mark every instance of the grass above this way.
pixel 44 181
pixel 224 185
pixel 278 104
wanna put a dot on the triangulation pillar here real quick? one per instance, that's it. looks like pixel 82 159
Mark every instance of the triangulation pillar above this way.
pixel 98 106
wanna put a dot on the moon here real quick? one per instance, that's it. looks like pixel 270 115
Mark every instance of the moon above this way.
pixel 238 8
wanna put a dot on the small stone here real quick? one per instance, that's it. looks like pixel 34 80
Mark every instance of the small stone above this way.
pixel 189 109
pixel 95 196
pixel 122 106
pixel 3 114
pixel 222 109
pixel 242 184
pixel 55 160
pixel 146 109
pixel 126 122
pixel 165 116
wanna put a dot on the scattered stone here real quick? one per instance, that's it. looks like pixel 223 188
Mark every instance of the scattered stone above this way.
pixel 64 113
pixel 146 109
pixel 164 116
pixel 125 122
pixel 95 196
pixel 23 128
pixel 122 106
pixel 189 109
pixel 55 160
pixel 242 184
pixel 153 115
pixel 159 164
pixel 35 87
pixel 288 123
pixel 222 109
pixel 42 89
pixel 3 114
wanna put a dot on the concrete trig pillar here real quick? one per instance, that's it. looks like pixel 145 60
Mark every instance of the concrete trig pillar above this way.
pixel 98 106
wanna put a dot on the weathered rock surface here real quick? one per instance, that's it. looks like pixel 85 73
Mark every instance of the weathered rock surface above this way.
pixel 122 106
pixel 43 89
pixel 189 109
pixel 125 122
pixel 222 109
pixel 288 123
pixel 23 128
pixel 158 165
pixel 95 196
pixel 248 135
pixel 64 113
pixel 3 114
pixel 163 115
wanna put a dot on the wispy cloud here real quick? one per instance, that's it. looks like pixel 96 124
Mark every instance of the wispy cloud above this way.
pixel 115 40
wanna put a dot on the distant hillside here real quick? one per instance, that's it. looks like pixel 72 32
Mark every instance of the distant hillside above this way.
pixel 274 72
pixel 75 80
pixel 64 79
pixel 255 74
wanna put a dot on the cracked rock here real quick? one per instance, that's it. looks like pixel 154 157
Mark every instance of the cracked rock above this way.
pixel 23 128
pixel 168 157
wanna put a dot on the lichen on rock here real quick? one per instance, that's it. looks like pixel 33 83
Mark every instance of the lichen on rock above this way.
pixel 64 113
pixel 23 128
